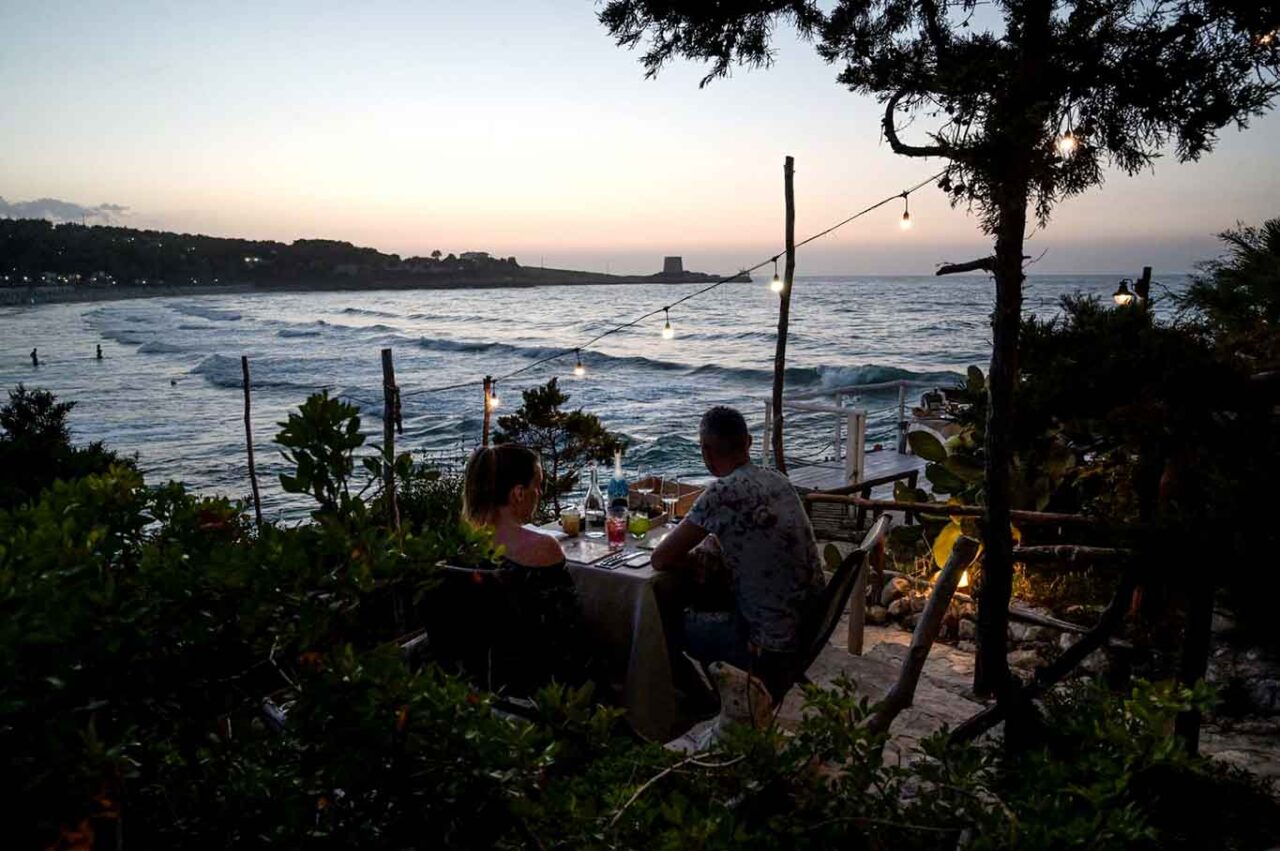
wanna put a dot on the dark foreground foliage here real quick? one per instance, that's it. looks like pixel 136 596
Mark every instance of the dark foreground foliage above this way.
pixel 172 677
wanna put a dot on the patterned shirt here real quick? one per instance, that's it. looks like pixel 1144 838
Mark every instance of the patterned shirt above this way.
pixel 768 545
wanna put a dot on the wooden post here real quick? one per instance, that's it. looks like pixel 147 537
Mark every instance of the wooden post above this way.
pixel 389 437
pixel 248 440
pixel 902 418
pixel 768 433
pixel 484 432
pixel 903 691
pixel 784 314
pixel 872 544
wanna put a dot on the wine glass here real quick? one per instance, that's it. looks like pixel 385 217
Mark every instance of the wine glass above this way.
pixel 670 498
pixel 644 487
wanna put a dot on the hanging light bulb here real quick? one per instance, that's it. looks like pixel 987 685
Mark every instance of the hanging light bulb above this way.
pixel 667 331
pixel 905 224
pixel 776 284
pixel 1067 144
pixel 493 395
pixel 579 370
pixel 1122 295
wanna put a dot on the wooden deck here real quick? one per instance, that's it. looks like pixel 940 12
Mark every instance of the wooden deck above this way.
pixel 830 475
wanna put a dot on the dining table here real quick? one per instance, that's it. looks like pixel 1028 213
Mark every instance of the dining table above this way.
pixel 623 601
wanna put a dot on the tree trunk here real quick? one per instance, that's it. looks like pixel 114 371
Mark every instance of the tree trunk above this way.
pixel 1019 123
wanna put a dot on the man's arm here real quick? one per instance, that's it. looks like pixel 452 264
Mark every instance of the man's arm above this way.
pixel 672 551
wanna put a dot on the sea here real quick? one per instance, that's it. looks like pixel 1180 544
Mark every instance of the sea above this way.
pixel 168 388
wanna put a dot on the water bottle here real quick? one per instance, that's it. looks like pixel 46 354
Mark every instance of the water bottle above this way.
pixel 593 507
pixel 619 492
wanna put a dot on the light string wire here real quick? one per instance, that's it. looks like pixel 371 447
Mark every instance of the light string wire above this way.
pixel 665 308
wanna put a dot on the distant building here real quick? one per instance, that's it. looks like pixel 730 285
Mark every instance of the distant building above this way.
pixel 477 256
pixel 673 265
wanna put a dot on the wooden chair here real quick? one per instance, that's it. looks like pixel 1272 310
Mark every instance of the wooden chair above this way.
pixel 847 588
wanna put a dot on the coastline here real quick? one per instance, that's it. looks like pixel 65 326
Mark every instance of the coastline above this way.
pixel 63 294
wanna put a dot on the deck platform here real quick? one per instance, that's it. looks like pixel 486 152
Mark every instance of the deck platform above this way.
pixel 877 465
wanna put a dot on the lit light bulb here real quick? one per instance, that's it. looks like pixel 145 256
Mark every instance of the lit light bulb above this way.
pixel 905 223
pixel 776 283
pixel 1067 144
pixel 493 396
pixel 579 370
pixel 667 331
pixel 1122 295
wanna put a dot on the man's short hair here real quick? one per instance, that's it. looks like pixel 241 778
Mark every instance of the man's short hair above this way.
pixel 725 430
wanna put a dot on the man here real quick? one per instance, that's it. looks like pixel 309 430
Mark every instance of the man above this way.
pixel 764 535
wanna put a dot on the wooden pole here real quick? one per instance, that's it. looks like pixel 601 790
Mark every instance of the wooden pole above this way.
pixel 784 314
pixel 484 433
pixel 389 437
pixel 903 691
pixel 248 440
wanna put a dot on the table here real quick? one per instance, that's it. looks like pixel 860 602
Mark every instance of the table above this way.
pixel 622 608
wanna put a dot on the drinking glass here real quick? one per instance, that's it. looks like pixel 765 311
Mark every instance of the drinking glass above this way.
pixel 616 527
pixel 670 490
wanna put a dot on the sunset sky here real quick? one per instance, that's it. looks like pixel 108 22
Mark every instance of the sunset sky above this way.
pixel 520 129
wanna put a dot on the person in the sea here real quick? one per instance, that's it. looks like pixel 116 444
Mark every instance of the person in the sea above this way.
pixel 35 358
pixel 534 621
pixel 99 355
pixel 756 521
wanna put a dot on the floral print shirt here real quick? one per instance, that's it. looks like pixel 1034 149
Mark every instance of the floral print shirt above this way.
pixel 768 546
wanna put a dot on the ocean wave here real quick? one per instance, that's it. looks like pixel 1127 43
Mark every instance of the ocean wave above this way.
pixel 870 373
pixel 225 371
pixel 589 358
pixel 299 332
pixel 156 347
pixel 362 311
pixel 213 314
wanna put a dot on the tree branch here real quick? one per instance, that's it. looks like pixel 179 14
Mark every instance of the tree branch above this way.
pixel 891 134
pixel 986 264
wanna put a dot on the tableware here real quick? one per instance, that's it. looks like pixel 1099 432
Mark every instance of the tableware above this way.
pixel 571 522
pixel 616 527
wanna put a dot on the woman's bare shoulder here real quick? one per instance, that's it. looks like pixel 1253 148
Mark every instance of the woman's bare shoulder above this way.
pixel 540 550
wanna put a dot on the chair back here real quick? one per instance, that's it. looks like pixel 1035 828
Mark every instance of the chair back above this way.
pixel 831 605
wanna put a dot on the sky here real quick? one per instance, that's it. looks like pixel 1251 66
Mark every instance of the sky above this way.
pixel 518 128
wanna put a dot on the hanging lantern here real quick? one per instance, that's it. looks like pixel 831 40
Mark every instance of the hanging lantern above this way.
pixel 579 370
pixel 776 284
pixel 905 224
pixel 493 396
pixel 1067 144
pixel 1122 295
pixel 667 331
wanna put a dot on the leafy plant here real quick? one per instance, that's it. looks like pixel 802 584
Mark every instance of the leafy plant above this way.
pixel 566 440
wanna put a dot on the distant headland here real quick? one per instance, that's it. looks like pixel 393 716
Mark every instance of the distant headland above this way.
pixel 41 261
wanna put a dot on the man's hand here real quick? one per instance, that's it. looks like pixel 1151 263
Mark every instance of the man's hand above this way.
pixel 673 551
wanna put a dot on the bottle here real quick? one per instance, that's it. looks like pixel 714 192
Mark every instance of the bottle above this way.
pixel 593 507
pixel 619 491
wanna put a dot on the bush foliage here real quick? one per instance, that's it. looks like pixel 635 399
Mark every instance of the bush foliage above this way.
pixel 172 675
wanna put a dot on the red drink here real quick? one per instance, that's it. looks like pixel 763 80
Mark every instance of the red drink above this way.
pixel 616 528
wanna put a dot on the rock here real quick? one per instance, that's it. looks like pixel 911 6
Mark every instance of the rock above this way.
pixel 968 631
pixel 900 608
pixel 909 620
pixel 1041 634
pixel 967 646
pixel 1265 695
pixel 877 615
pixel 1065 640
pixel 968 611
pixel 897 587
pixel 1095 662
pixel 1025 659
pixel 917 603
pixel 1018 632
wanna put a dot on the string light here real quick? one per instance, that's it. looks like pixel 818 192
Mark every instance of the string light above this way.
pixel 493 395
pixel 905 224
pixel 667 331
pixel 579 370
pixel 776 284
pixel 1067 144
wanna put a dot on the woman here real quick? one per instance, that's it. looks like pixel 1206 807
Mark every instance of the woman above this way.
pixel 528 613
pixel 502 489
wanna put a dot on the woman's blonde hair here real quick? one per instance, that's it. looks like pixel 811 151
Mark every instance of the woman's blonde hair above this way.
pixel 492 472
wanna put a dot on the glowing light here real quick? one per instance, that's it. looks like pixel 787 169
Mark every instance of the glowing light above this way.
pixel 964 580
pixel 493 396
pixel 667 331
pixel 1067 144
pixel 905 224
pixel 1122 294
pixel 579 370
pixel 1268 39
pixel 776 284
